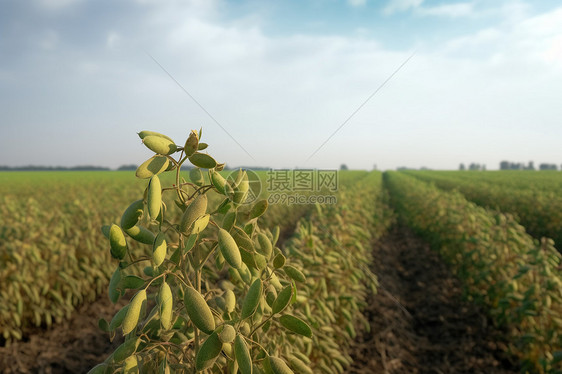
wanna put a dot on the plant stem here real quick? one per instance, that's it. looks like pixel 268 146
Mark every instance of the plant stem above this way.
pixel 198 285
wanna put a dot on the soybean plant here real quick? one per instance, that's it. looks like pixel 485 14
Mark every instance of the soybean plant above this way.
pixel 212 295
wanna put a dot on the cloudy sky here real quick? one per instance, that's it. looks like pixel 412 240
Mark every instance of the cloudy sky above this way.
pixel 78 79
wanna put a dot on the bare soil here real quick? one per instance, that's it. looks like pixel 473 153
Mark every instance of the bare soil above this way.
pixel 420 323
pixel 71 347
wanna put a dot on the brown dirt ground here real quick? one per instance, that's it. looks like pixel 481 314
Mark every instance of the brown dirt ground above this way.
pixel 72 347
pixel 419 322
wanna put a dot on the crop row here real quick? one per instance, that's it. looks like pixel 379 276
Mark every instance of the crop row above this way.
pixel 539 210
pixel 53 256
pixel 332 246
pixel 516 277
pixel 518 179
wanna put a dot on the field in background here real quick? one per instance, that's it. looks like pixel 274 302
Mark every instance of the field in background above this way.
pixel 54 258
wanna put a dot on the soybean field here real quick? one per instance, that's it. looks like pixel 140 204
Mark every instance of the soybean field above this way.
pixel 171 270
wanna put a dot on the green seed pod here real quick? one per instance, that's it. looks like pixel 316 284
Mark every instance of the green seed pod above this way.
pixel 279 261
pixel 229 220
pixel 282 300
pixel 274 281
pixel 154 198
pixel 202 160
pixel 270 295
pixel 217 181
pixel 229 191
pixel 133 313
pixel 208 352
pixel 105 230
pixel 228 350
pixel 198 311
pixel 159 249
pixel 299 366
pixel 227 334
pixel 244 273
pixel 229 249
pixel 159 145
pixel 229 301
pixel 219 300
pixel 245 328
pixel 250 227
pixel 261 261
pixel 117 242
pixel 141 234
pixel 265 248
pixel 258 209
pixel 275 234
pixel 202 146
pixel 296 325
pixel 166 302
pixel 248 258
pixel 196 209
pixel 242 239
pixel 114 292
pixel 153 166
pixel 238 176
pixel 128 348
pixel 118 318
pixel 294 273
pixel 276 365
pixel 132 214
pixel 242 354
pixel 131 365
pixel 200 224
pixel 191 144
pixel 196 176
pixel 241 191
pixel 252 299
pixel 143 134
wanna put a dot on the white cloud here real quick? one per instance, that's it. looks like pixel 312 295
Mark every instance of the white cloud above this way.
pixel 395 6
pixel 478 98
pixel 521 38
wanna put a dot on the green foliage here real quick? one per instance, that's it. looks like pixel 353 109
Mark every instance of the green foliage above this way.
pixel 533 197
pixel 331 249
pixel 203 272
pixel 515 277
pixel 53 256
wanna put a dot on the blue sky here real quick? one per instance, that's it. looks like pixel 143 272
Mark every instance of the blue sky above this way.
pixel 484 85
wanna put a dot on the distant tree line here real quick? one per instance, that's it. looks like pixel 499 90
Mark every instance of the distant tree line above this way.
pixel 100 168
pixel 473 166
pixel 506 165
pixel 53 168
pixel 399 168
